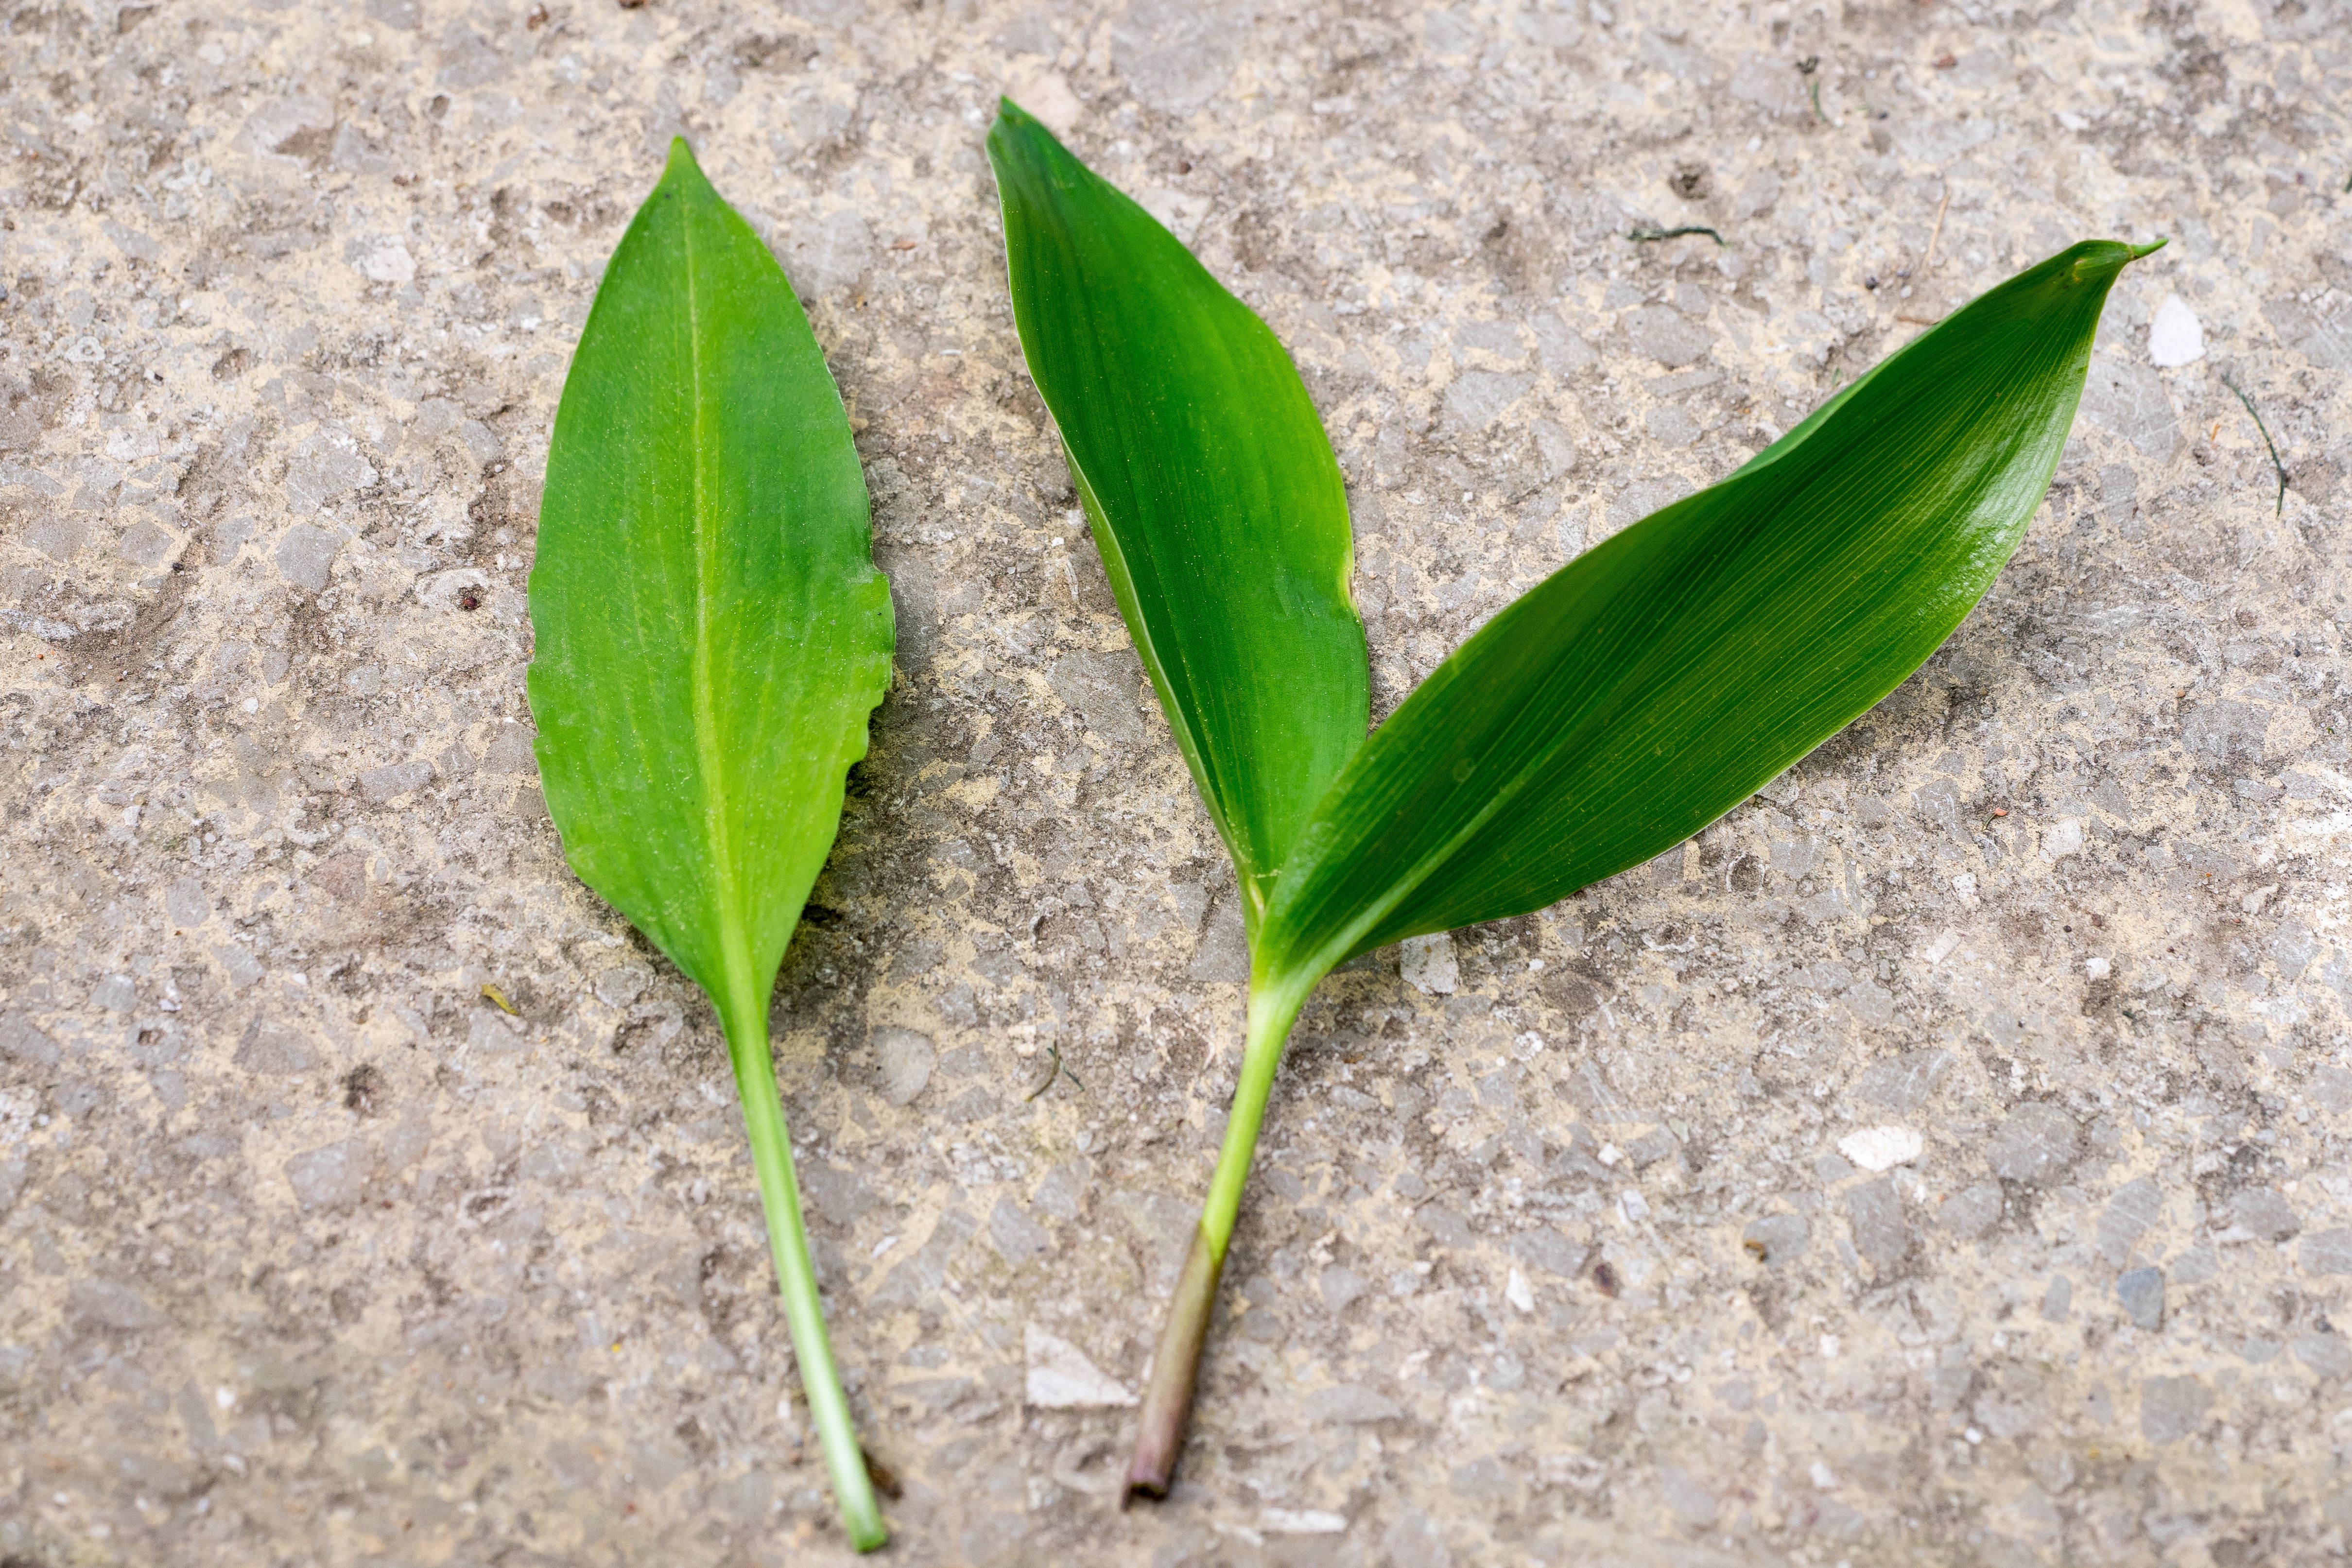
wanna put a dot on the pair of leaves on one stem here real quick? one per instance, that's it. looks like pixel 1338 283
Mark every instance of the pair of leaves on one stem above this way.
pixel 712 634
pixel 1616 710
pixel 1618 707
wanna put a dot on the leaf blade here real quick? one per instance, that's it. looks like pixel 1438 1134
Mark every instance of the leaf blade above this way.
pixel 712 634
pixel 1209 483
pixel 1659 678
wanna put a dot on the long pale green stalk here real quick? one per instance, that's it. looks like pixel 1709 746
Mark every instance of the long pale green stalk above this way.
pixel 745 1019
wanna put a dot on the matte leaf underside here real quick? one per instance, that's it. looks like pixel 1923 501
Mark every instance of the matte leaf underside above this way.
pixel 711 638
pixel 1209 485
pixel 711 631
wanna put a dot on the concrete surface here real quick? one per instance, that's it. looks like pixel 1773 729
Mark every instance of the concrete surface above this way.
pixel 1577 1250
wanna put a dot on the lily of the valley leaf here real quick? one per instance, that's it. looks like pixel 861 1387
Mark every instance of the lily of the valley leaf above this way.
pixel 1642 691
pixel 1210 489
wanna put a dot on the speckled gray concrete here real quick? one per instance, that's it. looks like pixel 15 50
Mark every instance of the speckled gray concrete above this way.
pixel 309 1254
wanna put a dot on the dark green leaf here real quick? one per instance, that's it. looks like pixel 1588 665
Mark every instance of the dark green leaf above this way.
pixel 1646 688
pixel 1212 490
pixel 1657 680
pixel 712 635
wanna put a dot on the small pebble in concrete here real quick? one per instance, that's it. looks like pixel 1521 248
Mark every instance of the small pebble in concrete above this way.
pixel 1777 1239
pixel 2170 1408
pixel 2175 337
pixel 1882 1149
pixel 2265 1214
pixel 116 993
pixel 1517 1293
pixel 2036 1144
pixel 2141 1292
pixel 1429 965
pixel 907 1059
pixel 1062 1377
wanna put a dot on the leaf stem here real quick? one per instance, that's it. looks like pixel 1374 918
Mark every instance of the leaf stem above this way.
pixel 1176 1365
pixel 746 1024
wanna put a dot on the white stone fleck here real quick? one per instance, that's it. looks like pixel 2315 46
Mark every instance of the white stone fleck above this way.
pixel 2175 337
pixel 1301 1521
pixel 1428 965
pixel 1882 1149
pixel 2061 838
pixel 1517 1293
pixel 389 262
pixel 907 1059
pixel 1062 1378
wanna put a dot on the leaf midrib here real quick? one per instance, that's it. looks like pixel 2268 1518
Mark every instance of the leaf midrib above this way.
pixel 733 956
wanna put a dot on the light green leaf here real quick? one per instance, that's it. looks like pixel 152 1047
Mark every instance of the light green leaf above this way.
pixel 711 637
pixel 1211 488
pixel 1657 680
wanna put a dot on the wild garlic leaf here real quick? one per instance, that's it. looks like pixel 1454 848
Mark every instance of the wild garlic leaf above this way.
pixel 1209 483
pixel 711 637
pixel 1659 678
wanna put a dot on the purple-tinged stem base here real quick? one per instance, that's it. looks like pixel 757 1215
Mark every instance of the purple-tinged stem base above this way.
pixel 1168 1402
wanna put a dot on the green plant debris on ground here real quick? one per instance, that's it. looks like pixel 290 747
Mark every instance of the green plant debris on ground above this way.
pixel 711 637
pixel 2279 510
pixel 1645 235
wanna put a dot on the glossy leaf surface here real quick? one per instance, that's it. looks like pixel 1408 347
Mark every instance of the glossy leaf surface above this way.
pixel 1209 483
pixel 1657 680
pixel 711 637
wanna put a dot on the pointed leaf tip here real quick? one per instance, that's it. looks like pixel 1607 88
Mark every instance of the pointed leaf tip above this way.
pixel 2100 260
pixel 684 171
